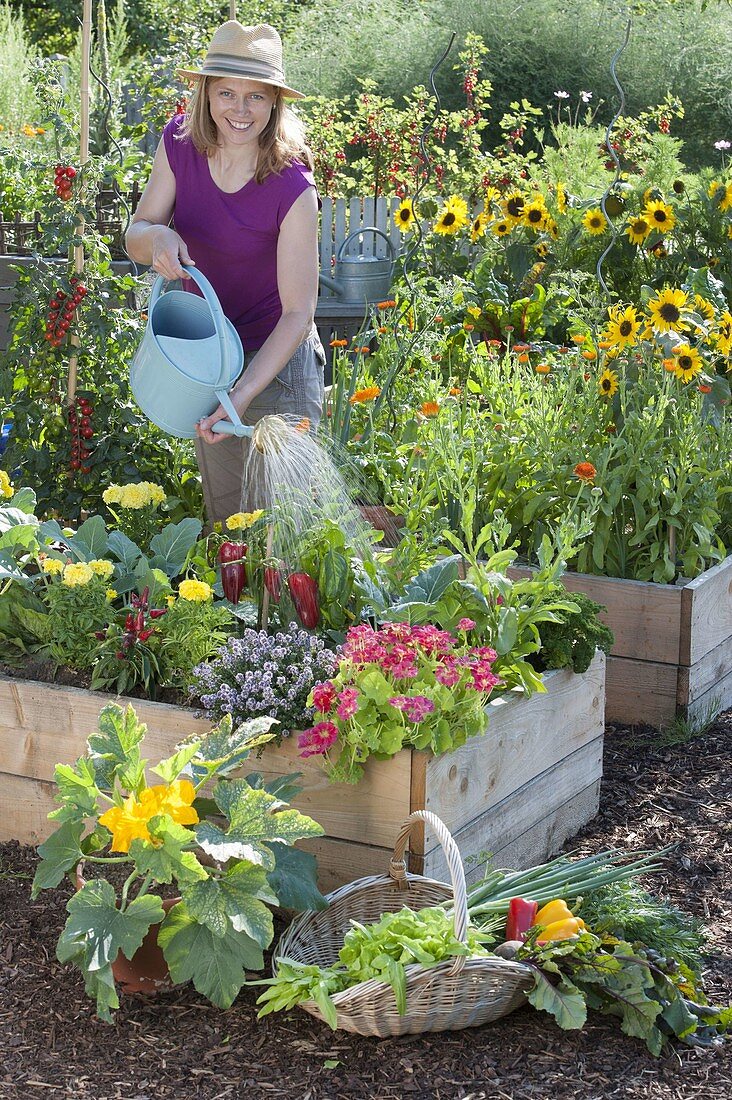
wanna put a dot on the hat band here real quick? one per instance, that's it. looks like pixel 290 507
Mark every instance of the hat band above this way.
pixel 245 66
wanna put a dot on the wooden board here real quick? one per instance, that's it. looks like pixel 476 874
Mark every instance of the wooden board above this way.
pixel 644 617
pixel 706 612
pixel 640 691
pixel 26 804
pixel 524 740
pixel 537 800
pixel 706 674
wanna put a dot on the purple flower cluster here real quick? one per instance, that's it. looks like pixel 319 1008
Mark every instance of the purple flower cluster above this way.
pixel 259 673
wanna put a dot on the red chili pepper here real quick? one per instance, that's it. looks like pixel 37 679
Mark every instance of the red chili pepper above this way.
pixel 140 620
pixel 158 612
pixel 273 582
pixel 304 592
pixel 145 634
pixel 130 623
pixel 520 918
pixel 233 579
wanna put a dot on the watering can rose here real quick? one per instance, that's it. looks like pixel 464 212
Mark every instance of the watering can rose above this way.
pixel 398 685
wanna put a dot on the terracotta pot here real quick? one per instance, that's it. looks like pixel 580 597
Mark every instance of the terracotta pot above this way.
pixel 147 970
pixel 382 518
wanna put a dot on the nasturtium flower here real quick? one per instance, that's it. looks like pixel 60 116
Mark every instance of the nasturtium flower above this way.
pixel 607 383
pixel 76 574
pixel 688 362
pixel 52 566
pixel 660 215
pixel 637 229
pixel 194 591
pixel 102 568
pixel 241 521
pixel 623 327
pixel 404 216
pixel 667 310
pixel 361 397
pixel 130 821
pixel 6 488
pixel 594 221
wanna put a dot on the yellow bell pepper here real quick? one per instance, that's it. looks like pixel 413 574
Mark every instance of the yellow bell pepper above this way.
pixel 561 929
pixel 553 911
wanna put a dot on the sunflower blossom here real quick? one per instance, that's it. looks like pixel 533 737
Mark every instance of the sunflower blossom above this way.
pixel 667 310
pixel 452 218
pixel 479 226
pixel 513 206
pixel 722 334
pixel 404 216
pixel 660 215
pixel 607 383
pixel 594 221
pixel 535 215
pixel 688 362
pixel 623 327
pixel 637 229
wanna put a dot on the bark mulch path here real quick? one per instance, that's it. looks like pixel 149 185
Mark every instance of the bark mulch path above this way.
pixel 178 1047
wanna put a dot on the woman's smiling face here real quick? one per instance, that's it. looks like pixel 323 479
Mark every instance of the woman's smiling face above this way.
pixel 240 108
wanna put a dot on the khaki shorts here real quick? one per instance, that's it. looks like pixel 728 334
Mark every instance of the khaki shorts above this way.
pixel 298 390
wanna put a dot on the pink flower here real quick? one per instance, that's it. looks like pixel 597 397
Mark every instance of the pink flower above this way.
pixel 404 670
pixel 318 739
pixel 466 624
pixel 447 675
pixel 347 703
pixel 483 679
pixel 323 696
pixel 416 707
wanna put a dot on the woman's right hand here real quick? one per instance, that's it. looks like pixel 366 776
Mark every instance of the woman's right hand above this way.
pixel 169 253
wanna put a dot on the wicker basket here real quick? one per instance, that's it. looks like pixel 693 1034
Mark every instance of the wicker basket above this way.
pixel 459 992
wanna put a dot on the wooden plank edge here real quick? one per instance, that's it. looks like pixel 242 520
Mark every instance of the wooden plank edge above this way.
pixel 694 641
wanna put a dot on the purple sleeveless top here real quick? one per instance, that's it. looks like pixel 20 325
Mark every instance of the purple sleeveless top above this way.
pixel 233 237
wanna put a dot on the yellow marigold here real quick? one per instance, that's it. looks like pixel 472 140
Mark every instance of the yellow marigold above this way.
pixel 474 311
pixel 77 573
pixel 194 591
pixel 429 408
pixel 170 599
pixel 133 496
pixel 156 493
pixel 101 568
pixel 6 488
pixel 112 494
pixel 130 821
pixel 240 521
pixel 360 397
pixel 111 594
pixel 52 566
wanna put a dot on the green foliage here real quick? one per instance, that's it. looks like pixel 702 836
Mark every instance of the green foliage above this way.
pixel 571 642
pixel 222 923
pixel 18 104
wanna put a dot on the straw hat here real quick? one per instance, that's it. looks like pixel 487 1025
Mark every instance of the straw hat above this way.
pixel 254 53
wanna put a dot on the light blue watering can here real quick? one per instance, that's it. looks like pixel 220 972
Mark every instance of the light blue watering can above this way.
pixel 188 360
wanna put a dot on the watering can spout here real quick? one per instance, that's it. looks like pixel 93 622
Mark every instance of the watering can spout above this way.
pixel 331 284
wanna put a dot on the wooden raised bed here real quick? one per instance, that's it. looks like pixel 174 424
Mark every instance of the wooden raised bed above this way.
pixel 673 645
pixel 518 792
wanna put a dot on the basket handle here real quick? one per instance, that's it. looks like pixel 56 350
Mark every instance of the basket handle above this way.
pixel 398 871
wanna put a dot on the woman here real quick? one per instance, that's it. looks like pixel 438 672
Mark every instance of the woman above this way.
pixel 235 177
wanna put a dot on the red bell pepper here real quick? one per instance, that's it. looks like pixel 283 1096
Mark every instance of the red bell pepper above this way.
pixel 304 592
pixel 273 582
pixel 520 918
pixel 233 569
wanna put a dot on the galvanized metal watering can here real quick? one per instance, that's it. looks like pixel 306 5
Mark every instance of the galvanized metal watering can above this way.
pixel 188 360
pixel 361 278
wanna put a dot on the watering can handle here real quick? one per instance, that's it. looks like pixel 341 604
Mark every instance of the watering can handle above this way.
pixel 217 315
pixel 367 229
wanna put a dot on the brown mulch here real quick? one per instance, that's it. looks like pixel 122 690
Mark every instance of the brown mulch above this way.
pixel 177 1047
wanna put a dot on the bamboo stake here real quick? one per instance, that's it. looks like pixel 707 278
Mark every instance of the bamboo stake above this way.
pixel 232 9
pixel 83 158
pixel 265 590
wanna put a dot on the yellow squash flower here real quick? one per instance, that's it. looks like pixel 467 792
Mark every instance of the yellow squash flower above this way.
pixel 130 821
pixel 195 591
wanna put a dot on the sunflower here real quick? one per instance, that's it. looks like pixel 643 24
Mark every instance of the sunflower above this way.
pixel 534 215
pixel 594 221
pixel 404 216
pixel 637 229
pixel 723 334
pixel 725 203
pixel 660 215
pixel 513 206
pixel 452 218
pixel 542 249
pixel 552 228
pixel 607 383
pixel 713 187
pixel 703 307
pixel 479 226
pixel 688 362
pixel 666 310
pixel 623 327
pixel 501 228
pixel 561 199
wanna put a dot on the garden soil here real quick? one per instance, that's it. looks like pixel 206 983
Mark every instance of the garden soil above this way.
pixel 178 1047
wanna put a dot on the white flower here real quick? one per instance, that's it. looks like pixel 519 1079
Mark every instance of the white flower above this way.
pixel 722 145
pixel 585 96
pixel 562 95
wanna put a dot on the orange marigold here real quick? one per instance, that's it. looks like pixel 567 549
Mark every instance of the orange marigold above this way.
pixel 586 472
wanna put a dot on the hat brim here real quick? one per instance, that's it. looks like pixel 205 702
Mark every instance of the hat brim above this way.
pixel 194 74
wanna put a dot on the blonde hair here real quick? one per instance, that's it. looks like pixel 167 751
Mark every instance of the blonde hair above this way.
pixel 281 142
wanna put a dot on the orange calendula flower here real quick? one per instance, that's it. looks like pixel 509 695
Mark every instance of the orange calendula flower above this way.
pixel 382 329
pixel 360 397
pixel 467 326
pixel 303 425
pixel 543 368
pixel 578 338
pixel 429 408
pixel 521 347
pixel 589 353
pixel 523 357
pixel 339 343
pixel 455 391
pixel 388 304
pixel 669 365
pixel 586 472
